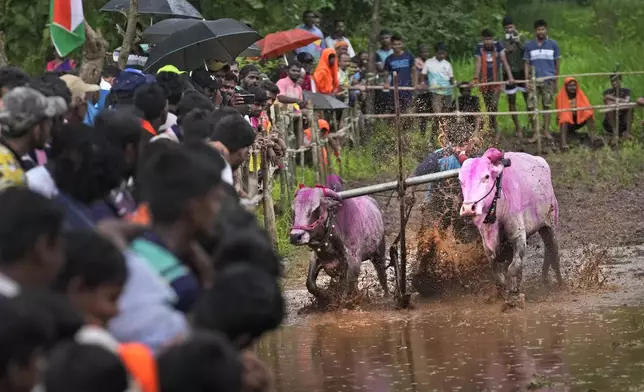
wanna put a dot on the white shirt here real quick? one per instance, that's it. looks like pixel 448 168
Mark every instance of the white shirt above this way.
pixel 330 43
pixel 8 287
pixel 39 180
pixel 439 74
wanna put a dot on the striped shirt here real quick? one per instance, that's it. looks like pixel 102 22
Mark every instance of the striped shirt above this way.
pixel 542 57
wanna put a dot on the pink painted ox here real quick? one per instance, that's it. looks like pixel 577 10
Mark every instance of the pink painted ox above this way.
pixel 341 233
pixel 510 197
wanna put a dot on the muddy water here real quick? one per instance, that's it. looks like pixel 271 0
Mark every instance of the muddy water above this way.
pixel 430 349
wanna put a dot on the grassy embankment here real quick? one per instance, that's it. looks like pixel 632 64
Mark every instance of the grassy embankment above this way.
pixel 582 52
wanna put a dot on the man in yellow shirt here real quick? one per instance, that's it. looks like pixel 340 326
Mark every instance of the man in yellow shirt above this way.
pixel 25 123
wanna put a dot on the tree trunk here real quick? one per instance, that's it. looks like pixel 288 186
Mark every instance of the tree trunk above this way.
pixel 93 55
pixel 130 33
pixel 3 55
pixel 373 39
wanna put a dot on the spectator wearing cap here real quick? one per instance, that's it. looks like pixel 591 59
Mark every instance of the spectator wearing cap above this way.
pixel 209 84
pixel 26 121
pixel 78 109
pixel 123 87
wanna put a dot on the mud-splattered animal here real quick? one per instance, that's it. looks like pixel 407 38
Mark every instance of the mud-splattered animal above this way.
pixel 341 233
pixel 510 197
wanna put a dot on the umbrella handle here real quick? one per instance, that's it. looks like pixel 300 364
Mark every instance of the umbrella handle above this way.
pixel 285 59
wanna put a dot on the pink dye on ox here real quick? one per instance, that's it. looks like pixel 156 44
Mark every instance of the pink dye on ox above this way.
pixel 526 204
pixel 341 233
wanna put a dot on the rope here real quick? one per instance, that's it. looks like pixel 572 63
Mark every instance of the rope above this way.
pixel 541 79
pixel 457 114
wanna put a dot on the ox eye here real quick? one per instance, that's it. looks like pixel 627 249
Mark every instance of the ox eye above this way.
pixel 487 176
pixel 316 213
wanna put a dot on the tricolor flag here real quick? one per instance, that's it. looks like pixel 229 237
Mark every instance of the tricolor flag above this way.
pixel 67 28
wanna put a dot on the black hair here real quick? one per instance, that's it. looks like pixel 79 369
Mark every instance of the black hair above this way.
pixel 204 362
pixel 486 33
pixel 507 20
pixel 242 240
pixel 75 367
pixel 305 57
pixel 231 77
pixel 171 177
pixel 12 77
pixel 173 84
pixel 197 125
pixel 190 101
pixel 540 23
pixel 335 22
pixel 120 126
pixel 220 113
pixel 151 100
pixel 259 93
pixel 247 69
pixel 93 259
pixel 396 37
pixel 234 132
pixel 384 32
pixel 243 303
pixel 440 47
pixel 111 71
pixel 305 13
pixel 269 86
pixel 86 166
pixel 51 86
pixel 295 64
pixel 24 331
pixel 26 217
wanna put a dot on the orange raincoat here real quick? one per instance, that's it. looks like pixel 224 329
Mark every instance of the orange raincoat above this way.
pixel 563 102
pixel 325 75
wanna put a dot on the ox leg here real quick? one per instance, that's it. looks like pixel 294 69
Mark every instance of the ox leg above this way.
pixel 550 254
pixel 515 270
pixel 379 263
pixel 351 278
pixel 497 266
pixel 314 270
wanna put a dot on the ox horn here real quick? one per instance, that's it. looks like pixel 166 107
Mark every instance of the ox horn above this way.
pixel 332 194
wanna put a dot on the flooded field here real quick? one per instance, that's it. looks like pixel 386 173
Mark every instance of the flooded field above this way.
pixel 569 339
pixel 471 350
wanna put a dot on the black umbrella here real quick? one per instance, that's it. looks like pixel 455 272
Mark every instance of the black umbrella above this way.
pixel 161 30
pixel 251 51
pixel 324 102
pixel 176 8
pixel 188 49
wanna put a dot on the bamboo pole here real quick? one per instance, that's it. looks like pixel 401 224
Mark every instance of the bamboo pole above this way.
pixel 535 96
pixel 541 79
pixel 402 278
pixel 314 143
pixel 269 210
pixel 392 185
pixel 616 128
pixel 315 130
pixel 452 114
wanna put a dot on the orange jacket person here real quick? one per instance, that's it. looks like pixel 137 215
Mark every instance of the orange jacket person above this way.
pixel 569 97
pixel 326 74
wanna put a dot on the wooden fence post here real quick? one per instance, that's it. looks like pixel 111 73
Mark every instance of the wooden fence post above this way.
pixel 616 125
pixel 269 210
pixel 535 98
pixel 314 143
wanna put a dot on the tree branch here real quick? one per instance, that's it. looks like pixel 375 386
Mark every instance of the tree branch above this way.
pixel 93 55
pixel 130 33
pixel 3 55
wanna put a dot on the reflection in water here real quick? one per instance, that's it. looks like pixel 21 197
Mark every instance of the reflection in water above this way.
pixel 459 351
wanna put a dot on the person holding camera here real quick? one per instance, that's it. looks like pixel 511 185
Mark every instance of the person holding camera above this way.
pixel 514 52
